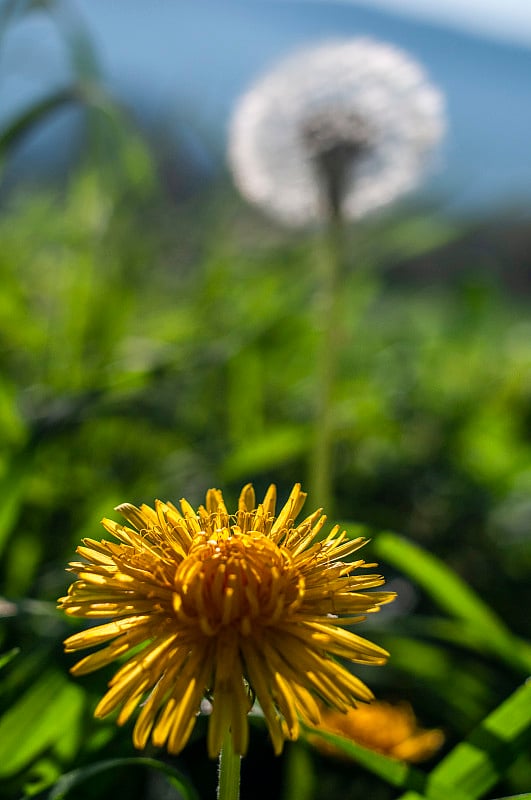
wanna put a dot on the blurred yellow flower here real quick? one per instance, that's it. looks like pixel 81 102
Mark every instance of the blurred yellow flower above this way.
pixel 228 607
pixel 383 727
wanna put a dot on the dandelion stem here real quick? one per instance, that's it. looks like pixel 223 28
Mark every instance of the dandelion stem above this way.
pixel 327 359
pixel 229 771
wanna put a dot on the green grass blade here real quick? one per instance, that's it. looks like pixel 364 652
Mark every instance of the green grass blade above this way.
pixel 453 595
pixel 395 772
pixel 47 711
pixel 412 796
pixel 5 658
pixel 35 114
pixel 478 763
pixel 436 578
pixel 433 665
pixel 525 796
pixel 12 486
pixel 70 780
pixel 277 446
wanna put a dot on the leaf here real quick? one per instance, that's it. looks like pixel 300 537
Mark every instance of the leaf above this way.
pixel 448 631
pixel 47 711
pixel 72 779
pixel 35 114
pixel 272 449
pixel 526 796
pixel 453 595
pixel 478 763
pixel 395 772
pixel 412 796
pixel 12 486
pixel 5 658
pixel 434 666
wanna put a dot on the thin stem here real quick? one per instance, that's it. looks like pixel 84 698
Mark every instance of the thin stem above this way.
pixel 229 771
pixel 327 359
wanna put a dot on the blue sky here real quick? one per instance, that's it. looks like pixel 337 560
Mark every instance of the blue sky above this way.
pixel 509 20
pixel 180 68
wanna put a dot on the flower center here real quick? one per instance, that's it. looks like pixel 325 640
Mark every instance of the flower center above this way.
pixel 242 580
pixel 335 142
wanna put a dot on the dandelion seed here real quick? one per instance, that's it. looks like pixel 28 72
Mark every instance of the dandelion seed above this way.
pixel 344 127
pixel 231 608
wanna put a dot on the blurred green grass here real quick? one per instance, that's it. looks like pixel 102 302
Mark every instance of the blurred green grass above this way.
pixel 151 349
pixel 141 356
pixel 154 348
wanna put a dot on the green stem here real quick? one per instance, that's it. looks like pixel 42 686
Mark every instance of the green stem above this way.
pixel 327 359
pixel 229 771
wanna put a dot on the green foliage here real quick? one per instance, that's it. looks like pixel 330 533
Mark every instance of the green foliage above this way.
pixel 57 724
pixel 478 763
pixel 71 780
pixel 473 767
pixel 155 364
pixel 154 349
pixel 454 596
pixel 395 772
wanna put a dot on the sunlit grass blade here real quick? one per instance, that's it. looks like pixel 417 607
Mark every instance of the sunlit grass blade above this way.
pixel 12 486
pixel 453 595
pixel 525 796
pixel 265 451
pixel 437 579
pixel 478 763
pixel 412 796
pixel 434 666
pixel 48 711
pixel 5 658
pixel 445 630
pixel 395 772
pixel 71 780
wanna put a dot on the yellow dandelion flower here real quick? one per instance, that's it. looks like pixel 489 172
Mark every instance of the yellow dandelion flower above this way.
pixel 233 608
pixel 391 729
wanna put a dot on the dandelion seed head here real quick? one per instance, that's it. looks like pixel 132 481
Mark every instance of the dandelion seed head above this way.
pixel 360 108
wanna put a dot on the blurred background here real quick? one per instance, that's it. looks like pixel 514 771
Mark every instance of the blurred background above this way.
pixel 157 332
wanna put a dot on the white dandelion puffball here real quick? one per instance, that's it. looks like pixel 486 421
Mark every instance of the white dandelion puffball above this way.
pixel 345 127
